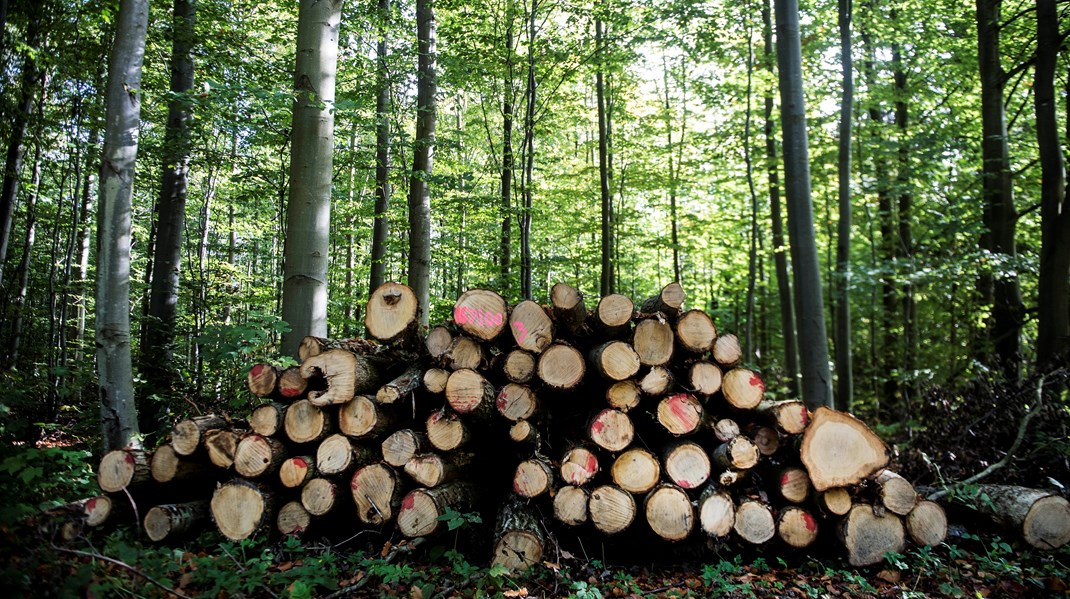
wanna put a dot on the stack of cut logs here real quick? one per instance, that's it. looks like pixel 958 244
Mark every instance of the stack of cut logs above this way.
pixel 621 419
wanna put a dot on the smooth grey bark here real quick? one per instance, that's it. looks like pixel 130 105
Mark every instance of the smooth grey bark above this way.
pixel 123 114
pixel 381 225
pixel 506 193
pixel 608 284
pixel 844 367
pixel 904 235
pixel 308 209
pixel 528 158
pixel 674 168
pixel 809 308
pixel 423 154
pixel 752 252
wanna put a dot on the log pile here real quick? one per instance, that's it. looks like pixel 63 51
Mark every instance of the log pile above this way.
pixel 618 420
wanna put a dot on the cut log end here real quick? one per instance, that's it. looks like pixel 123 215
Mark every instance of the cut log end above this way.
pixel 653 341
pixel 927 523
pixel 615 361
pixel 531 327
pixel 680 414
pixel 561 367
pixel 239 509
pixel 376 493
pixel 579 466
pixel 123 468
pixel 669 513
pixel 796 527
pixel 838 450
pixel 717 512
pixel 687 465
pixel 611 430
pixel 754 522
pixel 392 314
pixel 636 470
pixel 480 313
pixel 570 505
pixel 611 509
pixel 695 331
pixel 293 519
pixel 869 535
pixel 743 389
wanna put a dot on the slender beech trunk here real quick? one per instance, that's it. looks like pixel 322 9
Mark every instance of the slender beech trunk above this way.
pixel 607 285
pixel 780 251
pixel 349 319
pixel 844 366
pixel 115 370
pixel 1053 297
pixel 809 307
pixel 998 194
pixel 528 153
pixel 904 207
pixel 381 226
pixel 423 160
pixel 752 254
pixel 506 207
pixel 23 270
pixel 308 211
pixel 674 172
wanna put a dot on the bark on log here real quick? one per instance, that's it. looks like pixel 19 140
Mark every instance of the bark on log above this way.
pixel 262 380
pixel 636 470
pixel 319 496
pixel 789 416
pixel 518 537
pixel 669 512
pixel 1041 517
pixel 258 455
pixel 695 332
pixel 561 367
pixel 123 469
pixel 267 419
pixel 241 508
pixel 531 327
pixel 657 381
pixel 668 301
pixel 187 434
pixel 377 494
pixel 296 471
pixel 743 389
pixel 623 395
pixel 611 509
pixel 167 466
pixel 363 418
pixel 467 392
pixel 687 464
pixel 579 466
pixel 293 519
pixel 796 527
pixel 402 446
pixel 653 341
pixel 446 431
pixel 519 366
pixel 421 508
pixel 611 430
pixel 346 375
pixel 435 380
pixel 171 520
pixel 615 361
pixel 480 313
pixel 838 450
pixel 754 521
pixel 567 307
pixel 739 453
pixel 927 523
pixel 314 346
pixel 532 478
pixel 868 536
pixel 727 351
pixel 516 402
pixel 570 505
pixel 401 387
pixel 680 414
pixel 725 430
pixel 392 314
pixel 613 315
pixel 306 422
pixel 716 512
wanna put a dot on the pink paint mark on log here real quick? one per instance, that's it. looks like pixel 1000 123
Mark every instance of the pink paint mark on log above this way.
pixel 521 331
pixel 460 314
pixel 682 409
pixel 784 480
pixel 437 416
pixel 517 488
pixel 805 416
pixel 756 381
pixel 408 502
pixel 809 521
pixel 592 464
pixel 686 484
pixel 91 505
pixel 256 370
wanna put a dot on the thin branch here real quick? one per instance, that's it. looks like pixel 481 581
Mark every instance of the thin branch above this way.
pixel 125 566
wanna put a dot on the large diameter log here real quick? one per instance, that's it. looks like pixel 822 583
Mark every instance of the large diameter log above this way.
pixel 296 471
pixel 363 418
pixel 687 464
pixel 623 395
pixel 680 414
pixel 740 453
pixel 258 455
pixel 695 332
pixel 346 375
pixel 267 419
pixel 531 327
pixel 122 469
pixel 377 494
pixel 338 455
pixel 167 466
pixel 838 450
pixel 319 496
pixel 293 519
pixel 611 430
pixel 653 341
pixel 560 367
pixel 187 434
pixel 467 392
pixel 570 505
pixel 392 313
pixel 262 379
pixel 579 466
pixel 1041 517
pixel 669 512
pixel 869 534
pixel 927 523
pixel 171 520
pixel 743 389
pixel 438 341
pixel 668 301
pixel 716 512
pixel 727 351
pixel 519 366
pixel 566 304
pixel 796 527
pixel 754 521
pixel 240 508
pixel 613 315
pixel 434 380
pixel 532 478
pixel 615 361
pixel 446 431
pixel 465 352
pixel 401 387
pixel 636 470
pixel 518 537
pixel 657 381
pixel 292 384
pixel 789 416
pixel 481 313
pixel 611 509
pixel 896 493
pixel 221 445
pixel 705 378
pixel 421 509
pixel 306 422
pixel 516 402
pixel 794 484
pixel 433 470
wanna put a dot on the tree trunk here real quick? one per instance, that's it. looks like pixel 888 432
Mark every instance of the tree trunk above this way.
pixel 608 284
pixel 528 154
pixel 115 371
pixel 381 228
pixel 506 208
pixel 904 205
pixel 423 161
pixel 844 367
pixel 24 263
pixel 308 210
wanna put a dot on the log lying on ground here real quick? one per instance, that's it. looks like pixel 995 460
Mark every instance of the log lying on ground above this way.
pixel 518 538
pixel 927 523
pixel 611 509
pixel 896 493
pixel 1042 518
pixel 839 450
pixel 124 468
pixel 716 512
pixel 171 520
pixel 570 505
pixel 421 509
pixel 293 519
pixel 754 521
pixel 240 508
pixel 167 466
pixel 797 527
pixel 869 535
pixel 377 493
pixel 669 512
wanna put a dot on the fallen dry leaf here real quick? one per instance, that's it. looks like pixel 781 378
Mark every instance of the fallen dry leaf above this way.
pixel 890 576
pixel 521 592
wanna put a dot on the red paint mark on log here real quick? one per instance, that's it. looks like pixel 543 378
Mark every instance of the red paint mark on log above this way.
pixel 257 369
pixel 129 458
pixel 91 505
pixel 408 502
pixel 300 463
pixel 597 426
pixel 517 488
pixel 288 391
pixel 682 409
pixel 756 381
pixel 501 401
pixel 809 521
pixel 592 464
pixel 805 416
pixel 784 480
pixel 686 484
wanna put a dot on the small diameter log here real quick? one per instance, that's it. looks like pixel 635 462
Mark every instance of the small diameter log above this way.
pixel 636 470
pixel 611 509
pixel 433 469
pixel 869 535
pixel 838 450
pixel 927 523
pixel 519 366
pixel 464 353
pixel 739 453
pixel 306 422
pixel 293 519
pixel 438 342
pixel 171 520
pixel 657 381
pixel 615 361
pixel 1041 517
pixel 363 418
pixel 531 326
pixel 796 527
pixel 446 431
pixel 680 413
pixel 766 438
pixel 687 464
pixel 296 471
pixel 725 430
pixel 319 496
pixel 727 351
pixel 896 493
pixel 68 522
pixel 314 346
pixel 338 455
pixel 570 505
pixel 794 484
pixel 754 521
pixel 518 537
pixel 560 367
pixel 613 315
pixel 435 380
pixel 579 466
pixel 669 512
pixel 346 375
pixel 467 392
pixel 258 455
pixel 705 378
pixel 836 501
pixel 377 494
pixel 516 402
pixel 187 434
pixel 92 511
pixel 240 508
pixel 566 305
pixel 402 446
pixel 523 432
pixel 123 469
pixel 743 389
pixel 623 395
pixel 789 416
pixel 716 512
pixel 695 332
pixel 267 419
pixel 611 430
pixel 262 379
pixel 421 508
pixel 731 477
pixel 167 466
pixel 401 387
pixel 221 445
pixel 532 478
pixel 480 313
pixel 668 301
pixel 653 341
pixel 392 314
pixel 292 384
